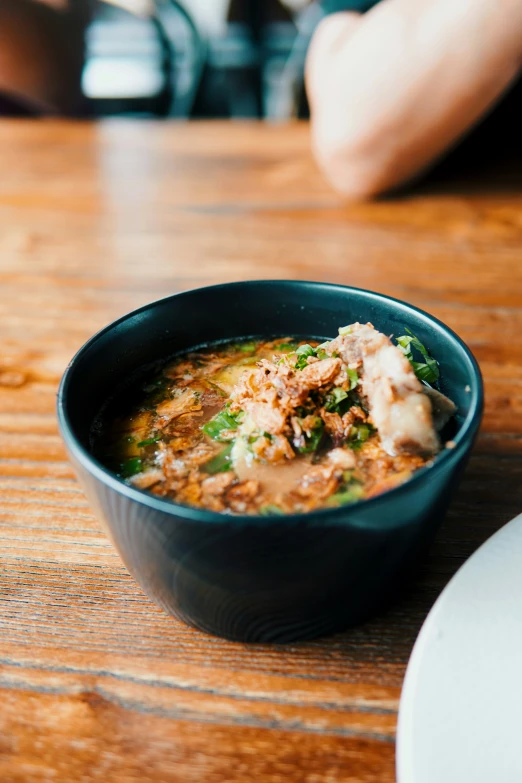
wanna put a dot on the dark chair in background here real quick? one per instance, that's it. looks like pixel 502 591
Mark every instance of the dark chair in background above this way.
pixel 162 65
pixel 143 66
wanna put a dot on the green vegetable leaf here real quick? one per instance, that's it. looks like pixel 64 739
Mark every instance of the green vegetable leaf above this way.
pixel 220 463
pixel 246 347
pixel 312 442
pixel 285 347
pixel 352 377
pixel 303 352
pixel 359 434
pixel 346 496
pixel 222 422
pixel 271 511
pixel 148 442
pixel 427 371
pixel 131 467
pixel 333 399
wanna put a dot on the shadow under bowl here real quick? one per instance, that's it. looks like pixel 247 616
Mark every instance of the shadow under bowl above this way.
pixel 265 579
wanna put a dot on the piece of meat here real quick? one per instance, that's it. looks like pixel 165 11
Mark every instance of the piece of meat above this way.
pixel 272 392
pixel 217 485
pixel 342 458
pixel 400 410
pixel 319 482
pixel 186 402
pixel 267 416
pixel 190 493
pixel 273 450
pixel 390 482
pixel 241 496
pixel 334 426
pixel 147 479
pixel 319 373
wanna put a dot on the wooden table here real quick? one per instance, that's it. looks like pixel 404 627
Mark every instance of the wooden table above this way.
pixel 97 683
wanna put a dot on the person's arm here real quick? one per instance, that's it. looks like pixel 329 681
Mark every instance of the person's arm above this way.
pixel 41 52
pixel 390 91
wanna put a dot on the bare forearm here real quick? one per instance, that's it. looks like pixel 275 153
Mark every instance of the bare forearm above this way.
pixel 404 82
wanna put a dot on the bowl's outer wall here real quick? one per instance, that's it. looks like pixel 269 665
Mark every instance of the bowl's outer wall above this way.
pixel 270 580
pixel 277 582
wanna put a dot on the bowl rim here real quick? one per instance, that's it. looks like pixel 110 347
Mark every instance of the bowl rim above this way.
pixel 469 426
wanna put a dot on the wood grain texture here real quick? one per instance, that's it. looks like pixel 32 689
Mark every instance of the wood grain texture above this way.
pixel 97 684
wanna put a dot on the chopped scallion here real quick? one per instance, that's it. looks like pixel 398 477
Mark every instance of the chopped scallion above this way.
pixel 333 399
pixel 148 442
pixel 346 496
pixel 222 422
pixel 271 511
pixel 352 377
pixel 246 347
pixel 220 463
pixel 313 440
pixel 303 352
pixel 427 371
pixel 131 467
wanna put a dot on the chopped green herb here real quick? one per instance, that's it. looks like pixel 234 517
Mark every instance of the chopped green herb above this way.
pixel 344 330
pixel 285 347
pixel 323 346
pixel 359 434
pixel 221 462
pixel 222 422
pixel 427 371
pixel 271 511
pixel 148 442
pixel 333 399
pixel 303 352
pixel 321 353
pixel 314 439
pixel 346 496
pixel 246 347
pixel 131 467
pixel 352 377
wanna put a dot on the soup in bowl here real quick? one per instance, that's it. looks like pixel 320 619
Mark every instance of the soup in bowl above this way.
pixel 265 473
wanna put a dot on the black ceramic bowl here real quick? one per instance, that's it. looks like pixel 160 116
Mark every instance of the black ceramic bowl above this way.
pixel 265 578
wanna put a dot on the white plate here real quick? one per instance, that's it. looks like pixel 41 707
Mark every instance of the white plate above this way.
pixel 460 717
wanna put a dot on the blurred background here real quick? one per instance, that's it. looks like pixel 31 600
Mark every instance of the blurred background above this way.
pixel 229 59
pixel 156 58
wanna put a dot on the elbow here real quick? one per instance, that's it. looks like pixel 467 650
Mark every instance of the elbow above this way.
pixel 355 167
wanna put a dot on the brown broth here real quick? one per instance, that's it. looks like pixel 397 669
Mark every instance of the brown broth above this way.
pixel 164 438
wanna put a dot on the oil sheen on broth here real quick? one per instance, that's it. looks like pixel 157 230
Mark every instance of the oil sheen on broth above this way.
pixel 275 427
